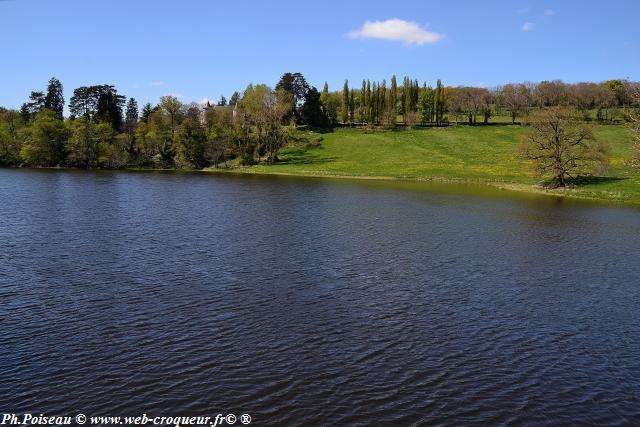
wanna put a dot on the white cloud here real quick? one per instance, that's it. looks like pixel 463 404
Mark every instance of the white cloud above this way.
pixel 549 12
pixel 528 26
pixel 156 83
pixel 525 10
pixel 395 29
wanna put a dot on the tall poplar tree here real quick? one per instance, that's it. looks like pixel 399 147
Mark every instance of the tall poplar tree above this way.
pixel 362 102
pixel 439 103
pixel 393 94
pixel 368 102
pixel 352 105
pixel 345 102
pixel 426 104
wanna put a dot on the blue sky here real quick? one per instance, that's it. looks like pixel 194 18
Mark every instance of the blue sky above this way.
pixel 200 49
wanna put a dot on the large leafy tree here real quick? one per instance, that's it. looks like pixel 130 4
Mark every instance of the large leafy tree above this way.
pixel 263 110
pixel 191 142
pixel 311 111
pixel 171 107
pixel 94 145
pixel 515 99
pixel 99 102
pixel 155 141
pixel 84 143
pixel 54 99
pixel 11 128
pixel 45 142
pixel 297 88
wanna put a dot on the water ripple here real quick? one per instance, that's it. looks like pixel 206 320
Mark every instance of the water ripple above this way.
pixel 313 303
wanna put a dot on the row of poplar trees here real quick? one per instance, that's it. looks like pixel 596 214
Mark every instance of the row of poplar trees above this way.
pixel 376 104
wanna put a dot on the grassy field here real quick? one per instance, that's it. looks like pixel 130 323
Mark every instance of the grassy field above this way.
pixel 481 154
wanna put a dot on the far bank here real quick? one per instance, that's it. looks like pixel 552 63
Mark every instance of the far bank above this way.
pixel 457 154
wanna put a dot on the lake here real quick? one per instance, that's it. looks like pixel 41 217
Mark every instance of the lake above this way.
pixel 315 302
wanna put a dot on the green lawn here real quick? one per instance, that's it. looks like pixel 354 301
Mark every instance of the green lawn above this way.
pixel 485 154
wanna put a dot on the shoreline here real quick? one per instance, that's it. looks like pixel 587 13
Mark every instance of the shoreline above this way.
pixel 488 184
pixel 512 187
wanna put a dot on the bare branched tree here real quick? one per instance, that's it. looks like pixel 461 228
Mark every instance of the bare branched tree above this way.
pixel 514 99
pixel 633 114
pixel 561 145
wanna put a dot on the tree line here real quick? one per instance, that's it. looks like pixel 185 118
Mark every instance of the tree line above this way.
pixel 108 130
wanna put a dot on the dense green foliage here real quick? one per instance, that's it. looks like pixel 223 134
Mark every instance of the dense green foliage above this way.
pixel 264 128
pixel 482 154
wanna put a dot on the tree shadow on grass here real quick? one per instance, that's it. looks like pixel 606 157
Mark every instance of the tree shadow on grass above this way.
pixel 320 130
pixel 580 181
pixel 302 156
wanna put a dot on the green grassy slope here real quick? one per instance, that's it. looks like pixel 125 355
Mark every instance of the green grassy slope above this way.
pixel 485 154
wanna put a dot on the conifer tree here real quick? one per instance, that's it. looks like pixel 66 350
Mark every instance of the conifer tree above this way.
pixel 54 100
pixel 131 114
pixel 146 112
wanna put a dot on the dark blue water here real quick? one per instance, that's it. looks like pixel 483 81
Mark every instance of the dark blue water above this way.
pixel 311 302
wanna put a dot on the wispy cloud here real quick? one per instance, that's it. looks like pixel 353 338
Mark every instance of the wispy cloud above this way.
pixel 549 12
pixel 524 10
pixel 156 83
pixel 528 26
pixel 407 32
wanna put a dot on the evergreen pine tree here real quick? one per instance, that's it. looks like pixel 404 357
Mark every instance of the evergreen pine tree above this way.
pixel 54 100
pixel 131 114
pixel 146 112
